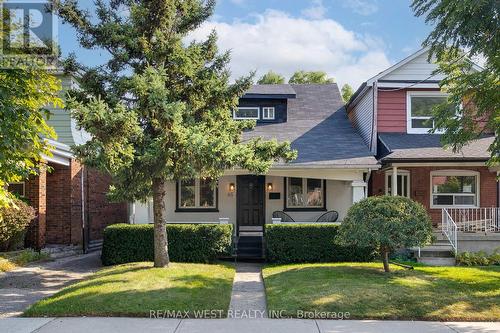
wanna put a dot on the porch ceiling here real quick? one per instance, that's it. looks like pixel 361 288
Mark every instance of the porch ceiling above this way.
pixel 323 173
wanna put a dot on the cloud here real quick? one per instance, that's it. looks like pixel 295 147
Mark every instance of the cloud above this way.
pixel 277 41
pixel 316 11
pixel 361 7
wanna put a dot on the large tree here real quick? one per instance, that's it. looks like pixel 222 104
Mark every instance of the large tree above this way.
pixel 314 77
pixel 160 109
pixel 463 30
pixel 25 92
pixel 271 78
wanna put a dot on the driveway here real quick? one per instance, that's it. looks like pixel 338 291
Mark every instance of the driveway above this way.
pixel 24 286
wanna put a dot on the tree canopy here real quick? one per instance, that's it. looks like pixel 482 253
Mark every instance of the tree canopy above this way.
pixel 271 78
pixel 316 77
pixel 347 92
pixel 462 31
pixel 160 109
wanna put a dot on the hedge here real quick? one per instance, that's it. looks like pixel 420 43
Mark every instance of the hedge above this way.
pixel 309 243
pixel 124 243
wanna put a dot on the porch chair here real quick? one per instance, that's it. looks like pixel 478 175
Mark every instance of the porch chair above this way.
pixel 283 216
pixel 330 216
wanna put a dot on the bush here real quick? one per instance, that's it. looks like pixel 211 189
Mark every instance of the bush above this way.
pixel 480 258
pixel 309 243
pixel 386 223
pixel 13 223
pixel 202 243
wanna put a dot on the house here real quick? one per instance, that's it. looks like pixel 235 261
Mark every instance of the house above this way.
pixel 392 113
pixel 69 198
pixel 330 172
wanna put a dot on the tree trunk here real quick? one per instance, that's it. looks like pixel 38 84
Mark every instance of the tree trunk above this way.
pixel 385 259
pixel 160 224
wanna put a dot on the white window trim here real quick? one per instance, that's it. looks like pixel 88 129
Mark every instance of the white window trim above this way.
pixel 17 183
pixel 456 173
pixel 269 108
pixel 409 95
pixel 246 108
pixel 197 204
pixel 304 193
pixel 402 173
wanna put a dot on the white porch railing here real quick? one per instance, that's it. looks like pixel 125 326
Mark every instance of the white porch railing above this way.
pixel 475 219
pixel 450 229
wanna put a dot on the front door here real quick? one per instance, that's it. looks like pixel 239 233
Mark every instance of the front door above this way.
pixel 250 195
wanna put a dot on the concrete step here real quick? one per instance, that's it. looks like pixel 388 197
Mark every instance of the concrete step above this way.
pixel 437 261
pixel 95 245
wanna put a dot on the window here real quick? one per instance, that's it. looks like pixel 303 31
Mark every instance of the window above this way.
pixel 268 113
pixel 196 194
pixel 246 113
pixel 403 182
pixel 454 188
pixel 17 188
pixel 305 193
pixel 419 110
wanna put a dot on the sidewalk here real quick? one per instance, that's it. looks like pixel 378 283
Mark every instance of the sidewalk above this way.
pixel 24 286
pixel 129 325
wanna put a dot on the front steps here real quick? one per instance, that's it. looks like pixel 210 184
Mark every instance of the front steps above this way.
pixel 250 247
pixel 94 245
pixel 439 253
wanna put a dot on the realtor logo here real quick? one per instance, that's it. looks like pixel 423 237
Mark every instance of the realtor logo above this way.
pixel 29 31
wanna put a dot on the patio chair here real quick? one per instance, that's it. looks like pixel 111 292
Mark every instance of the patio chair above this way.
pixel 283 216
pixel 330 216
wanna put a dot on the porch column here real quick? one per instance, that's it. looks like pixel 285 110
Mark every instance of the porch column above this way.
pixel 37 196
pixel 394 186
pixel 358 190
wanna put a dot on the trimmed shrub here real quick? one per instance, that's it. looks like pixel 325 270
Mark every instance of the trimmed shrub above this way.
pixel 480 258
pixel 201 243
pixel 309 243
pixel 13 223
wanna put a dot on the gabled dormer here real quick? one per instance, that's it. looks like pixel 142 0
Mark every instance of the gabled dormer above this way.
pixel 265 103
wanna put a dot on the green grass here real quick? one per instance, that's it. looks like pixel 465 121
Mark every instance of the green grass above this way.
pixel 14 259
pixel 138 288
pixel 366 292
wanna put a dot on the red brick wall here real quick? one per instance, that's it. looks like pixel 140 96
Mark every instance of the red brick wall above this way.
pixel 35 191
pixel 420 186
pixel 59 205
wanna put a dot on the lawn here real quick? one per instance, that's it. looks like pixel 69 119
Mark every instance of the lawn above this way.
pixel 14 259
pixel 365 291
pixel 138 288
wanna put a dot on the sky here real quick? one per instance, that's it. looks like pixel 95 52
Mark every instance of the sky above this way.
pixel 351 40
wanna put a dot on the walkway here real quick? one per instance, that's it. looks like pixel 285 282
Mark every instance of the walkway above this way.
pixel 24 286
pixel 140 325
pixel 248 299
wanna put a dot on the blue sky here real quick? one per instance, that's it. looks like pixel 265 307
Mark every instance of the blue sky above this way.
pixel 349 39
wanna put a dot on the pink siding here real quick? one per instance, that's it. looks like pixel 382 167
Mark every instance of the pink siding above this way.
pixel 391 108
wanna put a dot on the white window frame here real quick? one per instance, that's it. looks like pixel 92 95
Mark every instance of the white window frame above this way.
pixel 455 173
pixel 304 193
pixel 268 109
pixel 409 95
pixel 246 108
pixel 197 204
pixel 400 173
pixel 17 183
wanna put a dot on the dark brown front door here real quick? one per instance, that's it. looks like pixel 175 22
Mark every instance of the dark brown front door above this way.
pixel 250 196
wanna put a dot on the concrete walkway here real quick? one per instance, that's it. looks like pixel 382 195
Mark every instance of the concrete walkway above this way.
pixel 141 325
pixel 248 298
pixel 24 286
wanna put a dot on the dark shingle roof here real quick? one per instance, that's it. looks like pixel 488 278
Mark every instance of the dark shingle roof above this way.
pixel 403 146
pixel 318 128
pixel 271 89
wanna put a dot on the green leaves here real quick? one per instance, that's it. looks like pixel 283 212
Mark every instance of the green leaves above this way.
pixel 317 77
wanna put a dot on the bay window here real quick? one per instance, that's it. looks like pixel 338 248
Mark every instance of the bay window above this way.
pixel 420 106
pixel 196 194
pixel 305 194
pixel 454 189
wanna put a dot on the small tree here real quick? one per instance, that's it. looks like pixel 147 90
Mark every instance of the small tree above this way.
pixel 317 77
pixel 347 92
pixel 386 223
pixel 271 78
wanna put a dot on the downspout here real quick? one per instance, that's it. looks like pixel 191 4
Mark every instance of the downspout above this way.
pixel 367 181
pixel 84 237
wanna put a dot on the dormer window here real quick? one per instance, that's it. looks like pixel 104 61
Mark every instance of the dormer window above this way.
pixel 246 112
pixel 268 113
pixel 419 107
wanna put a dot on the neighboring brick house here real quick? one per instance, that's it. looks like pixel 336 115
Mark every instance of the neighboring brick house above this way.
pixel 392 112
pixel 70 199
